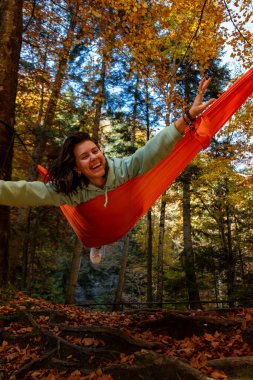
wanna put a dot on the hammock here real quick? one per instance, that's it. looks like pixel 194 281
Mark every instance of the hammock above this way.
pixel 96 225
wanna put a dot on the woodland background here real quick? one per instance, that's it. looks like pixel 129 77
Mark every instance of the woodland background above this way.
pixel 122 70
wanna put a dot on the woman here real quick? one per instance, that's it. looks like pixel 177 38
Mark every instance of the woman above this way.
pixel 82 172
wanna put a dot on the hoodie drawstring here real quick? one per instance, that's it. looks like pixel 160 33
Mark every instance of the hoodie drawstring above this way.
pixel 106 197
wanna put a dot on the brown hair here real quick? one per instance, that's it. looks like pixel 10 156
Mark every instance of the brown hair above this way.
pixel 61 170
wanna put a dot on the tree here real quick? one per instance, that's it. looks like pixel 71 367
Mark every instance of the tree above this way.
pixel 160 275
pixel 44 127
pixel 188 254
pixel 10 45
pixel 73 276
pixel 122 273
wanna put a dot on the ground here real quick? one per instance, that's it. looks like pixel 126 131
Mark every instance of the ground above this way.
pixel 40 340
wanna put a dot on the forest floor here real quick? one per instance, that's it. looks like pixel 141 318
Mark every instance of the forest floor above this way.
pixel 40 340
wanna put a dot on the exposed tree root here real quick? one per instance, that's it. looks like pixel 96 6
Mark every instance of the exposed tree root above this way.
pixel 235 368
pixel 153 366
pixel 180 326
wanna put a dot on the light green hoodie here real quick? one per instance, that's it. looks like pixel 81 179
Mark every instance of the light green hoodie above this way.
pixel 120 170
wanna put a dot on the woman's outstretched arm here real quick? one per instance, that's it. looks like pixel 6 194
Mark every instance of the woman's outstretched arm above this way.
pixel 24 193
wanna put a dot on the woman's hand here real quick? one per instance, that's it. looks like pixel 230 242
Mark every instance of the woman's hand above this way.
pixel 198 106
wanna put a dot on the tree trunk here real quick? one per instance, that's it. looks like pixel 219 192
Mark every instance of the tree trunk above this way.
pixel 99 101
pixel 44 134
pixel 149 258
pixel 190 276
pixel 160 251
pixel 239 250
pixel 134 121
pixel 149 217
pixel 25 255
pixel 122 272
pixel 32 254
pixel 10 45
pixel 231 261
pixel 73 277
pixel 224 224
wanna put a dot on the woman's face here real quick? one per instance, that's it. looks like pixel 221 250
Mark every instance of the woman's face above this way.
pixel 90 161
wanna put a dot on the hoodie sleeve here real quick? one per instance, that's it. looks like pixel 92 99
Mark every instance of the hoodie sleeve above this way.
pixel 151 153
pixel 24 193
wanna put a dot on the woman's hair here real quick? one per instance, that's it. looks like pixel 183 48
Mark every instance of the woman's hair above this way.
pixel 61 171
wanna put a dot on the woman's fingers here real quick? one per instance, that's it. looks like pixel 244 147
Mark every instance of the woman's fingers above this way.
pixel 204 84
pixel 209 102
pixel 203 106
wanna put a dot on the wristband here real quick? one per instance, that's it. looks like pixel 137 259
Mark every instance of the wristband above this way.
pixel 190 117
pixel 186 122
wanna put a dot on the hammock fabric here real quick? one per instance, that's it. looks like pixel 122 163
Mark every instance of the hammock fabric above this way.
pixel 96 225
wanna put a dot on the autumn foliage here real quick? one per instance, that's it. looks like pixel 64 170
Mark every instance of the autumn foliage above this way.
pixel 133 65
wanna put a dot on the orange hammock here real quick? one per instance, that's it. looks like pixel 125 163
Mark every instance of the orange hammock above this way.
pixel 96 225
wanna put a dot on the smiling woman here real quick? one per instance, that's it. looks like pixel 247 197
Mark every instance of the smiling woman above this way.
pixel 90 162
pixel 80 162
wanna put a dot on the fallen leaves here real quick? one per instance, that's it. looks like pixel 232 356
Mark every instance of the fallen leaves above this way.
pixel 16 356
pixel 219 375
pixel 247 320
pixel 18 328
pixel 85 341
pixel 196 350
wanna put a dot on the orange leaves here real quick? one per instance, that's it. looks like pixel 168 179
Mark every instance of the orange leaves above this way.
pixel 199 361
pixel 15 356
pixel 219 375
pixel 18 328
pixel 87 341
pixel 3 346
pixel 198 350
pixel 126 358
pixel 247 320
pixel 5 310
pixel 95 375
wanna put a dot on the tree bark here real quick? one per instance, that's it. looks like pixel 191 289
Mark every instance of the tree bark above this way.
pixel 122 272
pixel 134 121
pixel 73 277
pixel 99 100
pixel 149 217
pixel 160 251
pixel 149 258
pixel 10 45
pixel 224 224
pixel 231 256
pixel 189 269
pixel 240 254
